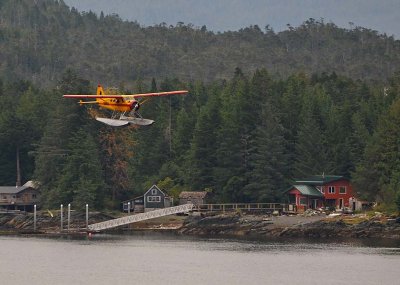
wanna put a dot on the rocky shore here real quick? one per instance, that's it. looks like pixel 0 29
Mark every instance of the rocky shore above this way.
pixel 319 226
pixel 223 225
pixel 46 221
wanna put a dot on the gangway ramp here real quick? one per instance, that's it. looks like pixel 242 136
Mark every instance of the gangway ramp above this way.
pixel 139 217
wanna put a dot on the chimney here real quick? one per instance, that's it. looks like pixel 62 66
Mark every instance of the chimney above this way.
pixel 18 184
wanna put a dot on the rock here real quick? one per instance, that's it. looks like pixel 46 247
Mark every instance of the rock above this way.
pixel 262 227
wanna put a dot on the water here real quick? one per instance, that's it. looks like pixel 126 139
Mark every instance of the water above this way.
pixel 169 259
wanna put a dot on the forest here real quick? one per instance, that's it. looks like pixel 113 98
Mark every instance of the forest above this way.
pixel 263 108
pixel 40 39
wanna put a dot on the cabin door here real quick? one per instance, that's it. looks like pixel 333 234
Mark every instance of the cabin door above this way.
pixel 341 203
pixel 315 203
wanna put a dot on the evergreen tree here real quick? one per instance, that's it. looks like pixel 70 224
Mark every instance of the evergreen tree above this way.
pixel 81 180
pixel 233 138
pixel 312 156
pixel 65 118
pixel 202 156
pixel 290 106
pixel 376 177
pixel 269 160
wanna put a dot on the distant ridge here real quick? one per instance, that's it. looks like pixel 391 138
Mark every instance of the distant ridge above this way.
pixel 39 40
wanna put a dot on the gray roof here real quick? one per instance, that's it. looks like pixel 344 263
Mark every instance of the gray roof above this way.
pixel 17 189
pixel 154 187
pixel 193 194
pixel 320 179
pixel 12 189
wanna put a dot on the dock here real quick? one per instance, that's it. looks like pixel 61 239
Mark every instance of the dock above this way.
pixel 139 217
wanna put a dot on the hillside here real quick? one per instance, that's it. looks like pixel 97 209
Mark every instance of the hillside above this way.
pixel 310 100
pixel 40 39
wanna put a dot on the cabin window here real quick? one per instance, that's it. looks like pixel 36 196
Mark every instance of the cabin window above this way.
pixel 342 190
pixel 153 198
pixel 33 196
pixel 303 201
pixel 153 191
pixel 331 189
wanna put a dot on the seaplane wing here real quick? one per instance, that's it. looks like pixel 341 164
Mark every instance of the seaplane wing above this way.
pixel 93 96
pixel 167 93
pixel 133 96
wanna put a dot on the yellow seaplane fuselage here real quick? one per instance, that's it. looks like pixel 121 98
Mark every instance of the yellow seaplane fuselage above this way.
pixel 118 103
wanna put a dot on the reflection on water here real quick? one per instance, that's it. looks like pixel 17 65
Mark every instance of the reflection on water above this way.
pixel 144 258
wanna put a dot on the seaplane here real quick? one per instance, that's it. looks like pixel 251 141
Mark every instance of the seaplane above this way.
pixel 125 107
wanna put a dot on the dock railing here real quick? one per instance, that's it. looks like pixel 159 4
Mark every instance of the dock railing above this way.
pixel 247 207
pixel 140 217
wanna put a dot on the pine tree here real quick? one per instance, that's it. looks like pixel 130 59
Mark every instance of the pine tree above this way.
pixel 269 160
pixel 376 177
pixel 81 180
pixel 65 118
pixel 234 138
pixel 312 156
pixel 202 156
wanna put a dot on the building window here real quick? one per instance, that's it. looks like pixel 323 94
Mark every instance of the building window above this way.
pixel 153 191
pixel 303 201
pixel 33 196
pixel 331 189
pixel 342 190
pixel 153 198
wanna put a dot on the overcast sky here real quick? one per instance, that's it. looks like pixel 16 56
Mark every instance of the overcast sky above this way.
pixel 223 15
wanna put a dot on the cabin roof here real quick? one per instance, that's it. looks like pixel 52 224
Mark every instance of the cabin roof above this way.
pixel 12 189
pixel 320 179
pixel 193 194
pixel 126 201
pixel 154 187
pixel 18 189
pixel 307 190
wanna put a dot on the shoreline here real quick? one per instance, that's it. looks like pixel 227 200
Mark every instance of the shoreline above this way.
pixel 317 227
pixel 232 225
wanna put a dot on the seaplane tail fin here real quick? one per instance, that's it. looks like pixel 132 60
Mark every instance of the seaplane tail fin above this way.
pixel 99 91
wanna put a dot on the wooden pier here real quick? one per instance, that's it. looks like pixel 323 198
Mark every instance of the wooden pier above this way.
pixel 139 217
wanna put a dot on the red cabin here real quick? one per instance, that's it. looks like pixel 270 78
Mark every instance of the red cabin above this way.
pixel 321 191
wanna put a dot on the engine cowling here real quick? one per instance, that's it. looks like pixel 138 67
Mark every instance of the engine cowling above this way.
pixel 135 106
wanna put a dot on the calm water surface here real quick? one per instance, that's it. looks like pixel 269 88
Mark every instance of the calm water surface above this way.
pixel 168 259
